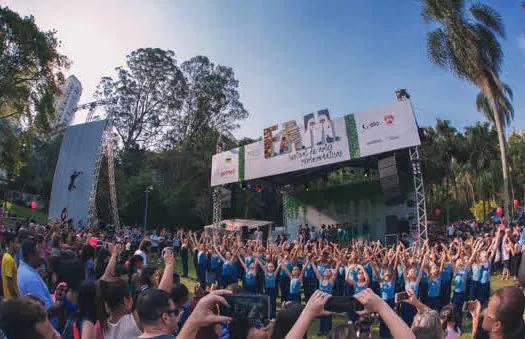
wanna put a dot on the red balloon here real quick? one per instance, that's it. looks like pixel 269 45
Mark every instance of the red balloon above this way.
pixel 499 211
pixel 516 202
pixel 33 205
pixel 437 212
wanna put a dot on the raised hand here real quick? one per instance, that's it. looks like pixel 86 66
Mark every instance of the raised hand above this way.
pixel 315 305
pixel 168 257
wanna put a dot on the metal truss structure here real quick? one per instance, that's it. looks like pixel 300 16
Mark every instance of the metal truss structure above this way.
pixel 92 106
pixel 284 194
pixel 105 148
pixel 421 225
pixel 216 195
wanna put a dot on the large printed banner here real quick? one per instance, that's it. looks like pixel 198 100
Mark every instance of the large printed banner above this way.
pixel 317 140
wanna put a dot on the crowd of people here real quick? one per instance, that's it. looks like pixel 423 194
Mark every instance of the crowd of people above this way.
pixel 70 282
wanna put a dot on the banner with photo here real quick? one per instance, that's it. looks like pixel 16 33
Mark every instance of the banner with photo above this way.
pixel 317 140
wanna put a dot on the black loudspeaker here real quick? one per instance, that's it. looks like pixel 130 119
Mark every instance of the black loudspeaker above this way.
pixel 392 224
pixel 389 179
pixel 403 226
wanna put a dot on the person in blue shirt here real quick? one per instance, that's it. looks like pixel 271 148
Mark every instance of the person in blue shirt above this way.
pixel 326 284
pixel 340 280
pixel 214 272
pixel 31 283
pixel 296 279
pixel 357 277
pixel 474 272
pixel 284 279
pixel 250 275
pixel 434 285
pixel 270 284
pixel 201 266
pixel 460 287
pixel 309 280
pixel 228 273
pixel 387 287
pixel 184 254
pixel 446 280
pixel 486 258
pixel 412 281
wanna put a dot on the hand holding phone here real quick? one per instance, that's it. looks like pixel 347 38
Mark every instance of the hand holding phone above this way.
pixel 401 296
pixel 246 306
pixel 338 304
pixel 469 306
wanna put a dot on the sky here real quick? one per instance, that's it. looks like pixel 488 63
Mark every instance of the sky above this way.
pixel 290 57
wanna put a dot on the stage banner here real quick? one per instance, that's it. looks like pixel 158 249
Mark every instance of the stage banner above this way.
pixel 317 140
pixel 385 129
pixel 225 167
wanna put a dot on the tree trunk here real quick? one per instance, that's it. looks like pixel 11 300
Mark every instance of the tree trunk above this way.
pixel 505 168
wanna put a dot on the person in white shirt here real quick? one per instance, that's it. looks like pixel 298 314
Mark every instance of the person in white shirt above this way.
pixel 144 248
pixel 313 234
pixel 154 242
pixel 451 229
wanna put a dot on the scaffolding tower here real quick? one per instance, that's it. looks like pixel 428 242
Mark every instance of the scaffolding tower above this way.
pixel 420 225
pixel 105 148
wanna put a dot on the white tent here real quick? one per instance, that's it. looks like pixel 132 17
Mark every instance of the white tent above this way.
pixel 237 224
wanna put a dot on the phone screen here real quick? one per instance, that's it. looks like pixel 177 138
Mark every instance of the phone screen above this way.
pixel 246 306
pixel 469 306
pixel 343 304
pixel 401 296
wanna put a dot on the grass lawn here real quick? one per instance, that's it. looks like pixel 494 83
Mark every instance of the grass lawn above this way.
pixel 25 212
pixel 338 319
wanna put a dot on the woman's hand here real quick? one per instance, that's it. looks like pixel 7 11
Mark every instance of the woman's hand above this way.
pixel 315 306
pixel 371 301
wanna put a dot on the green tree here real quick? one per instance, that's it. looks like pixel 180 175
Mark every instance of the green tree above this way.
pixel 29 71
pixel 149 91
pixel 466 44
pixel 212 102
pixel 516 147
pixel 16 151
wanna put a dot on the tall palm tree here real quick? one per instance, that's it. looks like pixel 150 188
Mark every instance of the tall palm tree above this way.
pixel 466 44
pixel 507 111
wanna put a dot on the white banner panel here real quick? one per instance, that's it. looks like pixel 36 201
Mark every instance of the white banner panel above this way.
pixel 74 171
pixel 225 167
pixel 295 147
pixel 386 129
pixel 317 140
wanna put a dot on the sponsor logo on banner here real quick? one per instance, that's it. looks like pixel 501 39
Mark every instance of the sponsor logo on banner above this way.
pixel 369 125
pixel 375 141
pixel 393 137
pixel 389 119
pixel 228 160
pixel 228 172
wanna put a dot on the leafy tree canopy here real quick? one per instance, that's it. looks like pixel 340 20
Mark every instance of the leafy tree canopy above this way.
pixel 29 71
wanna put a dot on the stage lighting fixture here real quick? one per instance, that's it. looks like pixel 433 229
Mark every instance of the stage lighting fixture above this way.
pixel 259 188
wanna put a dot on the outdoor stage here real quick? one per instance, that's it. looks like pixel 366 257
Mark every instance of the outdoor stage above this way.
pixel 360 168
